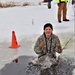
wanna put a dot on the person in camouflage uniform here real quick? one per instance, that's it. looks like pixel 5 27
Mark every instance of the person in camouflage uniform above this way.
pixel 47 44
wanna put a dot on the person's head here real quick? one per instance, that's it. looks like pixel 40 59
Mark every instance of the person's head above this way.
pixel 48 28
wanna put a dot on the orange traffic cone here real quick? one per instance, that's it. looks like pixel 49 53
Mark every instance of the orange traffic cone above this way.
pixel 14 41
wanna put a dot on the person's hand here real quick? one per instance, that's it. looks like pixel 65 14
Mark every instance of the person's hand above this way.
pixel 59 49
pixel 41 46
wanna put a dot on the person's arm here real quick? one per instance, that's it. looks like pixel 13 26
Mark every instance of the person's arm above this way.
pixel 58 45
pixel 39 47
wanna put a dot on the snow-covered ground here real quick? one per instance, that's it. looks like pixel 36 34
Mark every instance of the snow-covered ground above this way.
pixel 28 22
pixel 21 0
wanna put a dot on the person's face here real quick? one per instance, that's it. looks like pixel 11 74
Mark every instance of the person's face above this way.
pixel 48 31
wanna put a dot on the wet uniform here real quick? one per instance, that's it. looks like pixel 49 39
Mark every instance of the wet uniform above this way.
pixel 51 46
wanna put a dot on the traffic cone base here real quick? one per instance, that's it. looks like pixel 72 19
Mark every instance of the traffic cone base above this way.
pixel 14 46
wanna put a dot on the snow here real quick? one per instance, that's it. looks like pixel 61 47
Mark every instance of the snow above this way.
pixel 25 23
pixel 30 1
pixel 28 22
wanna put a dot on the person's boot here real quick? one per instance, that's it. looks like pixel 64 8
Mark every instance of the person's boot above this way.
pixel 59 21
pixel 66 20
pixel 49 6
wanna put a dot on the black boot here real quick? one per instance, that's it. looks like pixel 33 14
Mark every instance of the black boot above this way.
pixel 59 21
pixel 49 6
pixel 66 20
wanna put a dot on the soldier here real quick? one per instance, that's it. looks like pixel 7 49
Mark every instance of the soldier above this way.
pixel 62 10
pixel 47 44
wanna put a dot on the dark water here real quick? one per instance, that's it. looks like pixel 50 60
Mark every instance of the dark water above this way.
pixel 24 67
pixel 64 67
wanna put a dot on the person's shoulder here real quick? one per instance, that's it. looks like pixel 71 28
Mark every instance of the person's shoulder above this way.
pixel 54 36
pixel 41 36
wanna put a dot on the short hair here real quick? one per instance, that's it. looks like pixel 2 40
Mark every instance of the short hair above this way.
pixel 48 25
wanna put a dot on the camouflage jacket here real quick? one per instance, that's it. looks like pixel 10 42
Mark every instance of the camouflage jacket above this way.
pixel 51 45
